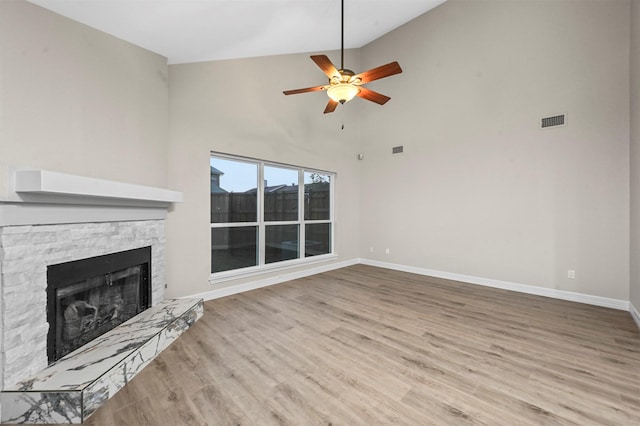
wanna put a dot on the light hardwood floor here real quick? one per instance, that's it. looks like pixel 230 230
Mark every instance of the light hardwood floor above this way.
pixel 368 346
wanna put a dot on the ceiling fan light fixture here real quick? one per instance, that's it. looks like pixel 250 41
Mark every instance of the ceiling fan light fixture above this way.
pixel 343 92
pixel 344 84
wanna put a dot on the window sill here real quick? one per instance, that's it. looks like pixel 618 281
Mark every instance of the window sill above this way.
pixel 252 271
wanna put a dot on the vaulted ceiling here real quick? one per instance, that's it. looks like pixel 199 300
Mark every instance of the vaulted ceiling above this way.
pixel 203 30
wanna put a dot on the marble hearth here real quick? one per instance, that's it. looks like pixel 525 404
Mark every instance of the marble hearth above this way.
pixel 53 218
pixel 73 388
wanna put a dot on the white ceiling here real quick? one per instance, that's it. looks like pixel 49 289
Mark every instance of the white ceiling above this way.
pixel 204 30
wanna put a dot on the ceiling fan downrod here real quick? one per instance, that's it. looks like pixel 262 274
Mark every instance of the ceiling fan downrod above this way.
pixel 342 35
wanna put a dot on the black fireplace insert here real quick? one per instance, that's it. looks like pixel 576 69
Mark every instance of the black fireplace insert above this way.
pixel 88 297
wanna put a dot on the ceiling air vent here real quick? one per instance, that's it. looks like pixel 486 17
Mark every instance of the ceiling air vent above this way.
pixel 397 149
pixel 553 121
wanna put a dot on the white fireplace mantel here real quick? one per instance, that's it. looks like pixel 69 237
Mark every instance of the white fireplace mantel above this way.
pixel 43 182
pixel 45 197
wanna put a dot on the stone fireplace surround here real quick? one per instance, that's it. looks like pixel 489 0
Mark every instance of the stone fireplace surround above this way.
pixel 27 250
pixel 54 218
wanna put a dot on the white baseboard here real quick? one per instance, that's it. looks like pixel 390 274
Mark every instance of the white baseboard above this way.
pixel 634 314
pixel 265 282
pixel 505 285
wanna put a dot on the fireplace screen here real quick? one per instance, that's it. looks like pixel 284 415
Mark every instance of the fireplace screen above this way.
pixel 88 297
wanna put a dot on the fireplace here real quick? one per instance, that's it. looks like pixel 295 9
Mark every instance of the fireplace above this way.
pixel 88 297
pixel 51 218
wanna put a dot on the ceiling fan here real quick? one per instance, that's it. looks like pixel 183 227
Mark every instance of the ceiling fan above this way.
pixel 344 84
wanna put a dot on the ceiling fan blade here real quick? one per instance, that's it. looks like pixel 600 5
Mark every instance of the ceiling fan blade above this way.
pixel 372 96
pixel 379 72
pixel 326 66
pixel 331 106
pixel 305 90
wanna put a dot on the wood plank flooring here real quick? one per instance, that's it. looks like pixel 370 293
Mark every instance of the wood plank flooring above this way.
pixel 369 346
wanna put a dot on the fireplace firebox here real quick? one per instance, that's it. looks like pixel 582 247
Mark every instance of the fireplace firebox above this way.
pixel 88 297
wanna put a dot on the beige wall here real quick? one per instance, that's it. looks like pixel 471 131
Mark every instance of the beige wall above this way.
pixel 75 100
pixel 480 190
pixel 237 107
pixel 635 154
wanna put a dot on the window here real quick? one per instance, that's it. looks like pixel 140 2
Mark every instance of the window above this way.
pixel 261 211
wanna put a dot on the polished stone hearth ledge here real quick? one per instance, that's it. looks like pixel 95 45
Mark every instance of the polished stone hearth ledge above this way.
pixel 73 388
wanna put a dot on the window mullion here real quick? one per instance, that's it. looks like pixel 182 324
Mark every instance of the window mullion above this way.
pixel 232 224
pixel 332 209
pixel 261 226
pixel 301 204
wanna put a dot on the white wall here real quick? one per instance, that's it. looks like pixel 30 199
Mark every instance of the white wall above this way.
pixel 479 189
pixel 635 154
pixel 237 107
pixel 76 100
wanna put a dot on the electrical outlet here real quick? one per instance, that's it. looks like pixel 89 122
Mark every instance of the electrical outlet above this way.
pixel 387 251
pixel 370 249
pixel 571 274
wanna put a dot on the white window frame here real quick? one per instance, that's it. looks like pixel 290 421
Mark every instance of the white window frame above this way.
pixel 263 267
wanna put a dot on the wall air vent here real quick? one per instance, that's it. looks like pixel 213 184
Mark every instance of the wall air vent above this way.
pixel 397 149
pixel 553 121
